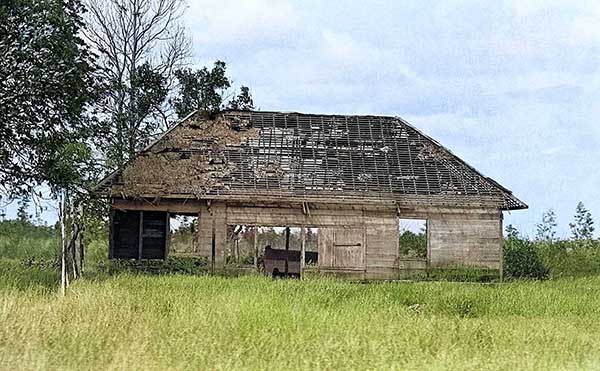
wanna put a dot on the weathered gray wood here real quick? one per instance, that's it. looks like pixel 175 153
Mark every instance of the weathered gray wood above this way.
pixel 302 251
pixel 255 249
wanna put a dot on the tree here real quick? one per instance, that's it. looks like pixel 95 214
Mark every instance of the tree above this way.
pixel 23 211
pixel 204 91
pixel 46 85
pixel 546 230
pixel 243 101
pixel 201 90
pixel 583 226
pixel 140 44
pixel 512 232
pixel 46 88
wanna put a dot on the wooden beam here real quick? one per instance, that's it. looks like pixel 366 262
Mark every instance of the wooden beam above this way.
pixel 111 234
pixel 255 245
pixel 140 236
pixel 213 248
pixel 302 250
pixel 167 235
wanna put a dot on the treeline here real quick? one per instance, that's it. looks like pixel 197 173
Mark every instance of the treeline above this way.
pixel 546 255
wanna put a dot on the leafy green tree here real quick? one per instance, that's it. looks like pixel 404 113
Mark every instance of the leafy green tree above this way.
pixel 243 101
pixel 512 232
pixel 583 226
pixel 546 230
pixel 23 211
pixel 204 90
pixel 522 260
pixel 46 85
pixel 201 90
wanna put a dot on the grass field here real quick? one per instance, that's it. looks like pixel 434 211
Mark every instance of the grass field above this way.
pixel 149 322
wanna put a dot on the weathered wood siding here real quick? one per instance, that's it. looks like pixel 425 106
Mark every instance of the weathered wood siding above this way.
pixel 212 221
pixel 382 245
pixel 361 241
pixel 467 239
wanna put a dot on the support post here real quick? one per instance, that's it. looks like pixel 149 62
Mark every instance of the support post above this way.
pixel 255 248
pixel 213 248
pixel 501 263
pixel 111 234
pixel 302 250
pixel 287 238
pixel 140 236
pixel 168 235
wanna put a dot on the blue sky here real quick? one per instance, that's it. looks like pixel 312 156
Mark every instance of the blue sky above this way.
pixel 512 87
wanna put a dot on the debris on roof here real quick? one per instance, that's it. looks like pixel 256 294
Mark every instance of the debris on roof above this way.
pixel 302 155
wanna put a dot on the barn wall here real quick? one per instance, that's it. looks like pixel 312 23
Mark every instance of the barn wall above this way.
pixel 456 237
pixel 466 239
pixel 209 219
pixel 352 241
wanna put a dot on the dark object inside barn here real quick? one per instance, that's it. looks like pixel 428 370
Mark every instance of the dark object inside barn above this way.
pixel 139 235
pixel 280 262
pixel 352 177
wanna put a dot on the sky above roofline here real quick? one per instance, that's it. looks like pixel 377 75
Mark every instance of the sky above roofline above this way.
pixel 512 87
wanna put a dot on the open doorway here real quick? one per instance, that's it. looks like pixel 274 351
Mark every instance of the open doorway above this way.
pixel 183 236
pixel 274 250
pixel 413 247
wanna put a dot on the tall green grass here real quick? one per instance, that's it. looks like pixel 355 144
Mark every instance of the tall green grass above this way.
pixel 202 322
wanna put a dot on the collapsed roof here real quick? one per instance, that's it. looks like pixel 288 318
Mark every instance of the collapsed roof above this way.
pixel 299 156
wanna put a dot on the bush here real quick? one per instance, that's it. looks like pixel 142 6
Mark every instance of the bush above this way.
pixel 521 260
pixel 570 258
pixel 173 265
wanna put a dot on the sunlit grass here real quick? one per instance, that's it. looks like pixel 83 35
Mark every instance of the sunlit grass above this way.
pixel 137 320
pixel 183 322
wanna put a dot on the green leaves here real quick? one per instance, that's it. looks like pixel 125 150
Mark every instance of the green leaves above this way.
pixel 583 227
pixel 45 88
pixel 521 260
pixel 204 90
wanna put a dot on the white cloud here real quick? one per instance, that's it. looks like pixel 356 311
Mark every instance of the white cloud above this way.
pixel 238 22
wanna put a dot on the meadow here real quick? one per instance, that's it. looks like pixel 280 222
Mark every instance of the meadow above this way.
pixel 123 320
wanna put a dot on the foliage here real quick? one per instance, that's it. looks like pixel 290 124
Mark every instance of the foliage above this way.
pixel 570 258
pixel 512 231
pixel 23 210
pixel 201 89
pixel 521 260
pixel 546 230
pixel 413 244
pixel 24 241
pixel 139 45
pixel 46 86
pixel 583 226
pixel 204 90
pixel 243 101
pixel 172 265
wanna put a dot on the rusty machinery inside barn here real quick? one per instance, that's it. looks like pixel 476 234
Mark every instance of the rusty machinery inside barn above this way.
pixel 352 177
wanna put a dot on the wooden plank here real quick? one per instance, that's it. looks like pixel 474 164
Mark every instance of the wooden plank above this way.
pixel 302 251
pixel 111 234
pixel 140 236
pixel 255 248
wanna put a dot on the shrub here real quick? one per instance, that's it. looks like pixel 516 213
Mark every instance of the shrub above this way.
pixel 570 258
pixel 521 260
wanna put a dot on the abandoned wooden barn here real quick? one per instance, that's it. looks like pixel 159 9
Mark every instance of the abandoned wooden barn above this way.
pixel 352 177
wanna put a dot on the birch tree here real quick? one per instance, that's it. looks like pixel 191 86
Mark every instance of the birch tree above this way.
pixel 140 43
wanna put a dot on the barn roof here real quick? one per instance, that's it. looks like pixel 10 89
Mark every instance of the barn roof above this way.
pixel 305 157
